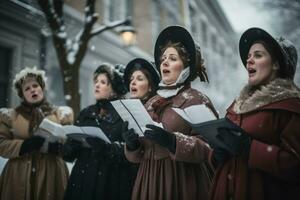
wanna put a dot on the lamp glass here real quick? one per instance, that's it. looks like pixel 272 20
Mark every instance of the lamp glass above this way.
pixel 128 37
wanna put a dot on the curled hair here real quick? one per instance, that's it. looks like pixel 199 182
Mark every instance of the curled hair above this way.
pixel 114 77
pixel 25 73
pixel 184 55
pixel 200 66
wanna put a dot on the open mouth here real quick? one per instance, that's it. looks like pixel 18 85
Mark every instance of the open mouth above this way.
pixel 166 71
pixel 251 71
pixel 133 90
pixel 34 96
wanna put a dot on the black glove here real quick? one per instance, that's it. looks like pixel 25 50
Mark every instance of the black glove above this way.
pixel 54 147
pixel 70 149
pixel 220 155
pixel 238 143
pixel 97 145
pixel 161 137
pixel 31 144
pixel 130 137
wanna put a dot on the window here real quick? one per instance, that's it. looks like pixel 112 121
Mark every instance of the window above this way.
pixel 117 9
pixel 5 57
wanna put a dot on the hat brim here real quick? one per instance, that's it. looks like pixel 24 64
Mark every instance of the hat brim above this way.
pixel 140 63
pixel 250 36
pixel 175 34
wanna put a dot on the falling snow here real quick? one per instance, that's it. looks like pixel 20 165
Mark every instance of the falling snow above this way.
pixel 188 142
pixel 68 97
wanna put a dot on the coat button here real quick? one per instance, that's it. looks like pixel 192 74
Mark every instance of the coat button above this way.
pixel 269 148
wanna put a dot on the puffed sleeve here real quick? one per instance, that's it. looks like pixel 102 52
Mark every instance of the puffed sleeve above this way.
pixel 9 147
pixel 191 149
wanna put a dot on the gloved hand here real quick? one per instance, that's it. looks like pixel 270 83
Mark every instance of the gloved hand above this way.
pixel 97 145
pixel 220 155
pixel 238 143
pixel 130 137
pixel 31 144
pixel 54 147
pixel 70 149
pixel 161 137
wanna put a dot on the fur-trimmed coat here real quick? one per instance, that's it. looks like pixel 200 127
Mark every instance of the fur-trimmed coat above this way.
pixel 31 176
pixel 162 174
pixel 271 116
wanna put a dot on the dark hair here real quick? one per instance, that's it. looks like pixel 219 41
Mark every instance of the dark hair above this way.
pixel 182 52
pixel 114 78
pixel 270 49
pixel 148 75
pixel 200 69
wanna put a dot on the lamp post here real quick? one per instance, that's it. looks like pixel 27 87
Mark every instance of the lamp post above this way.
pixel 127 32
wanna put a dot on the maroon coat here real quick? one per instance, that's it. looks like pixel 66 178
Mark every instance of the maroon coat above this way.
pixel 163 175
pixel 272 170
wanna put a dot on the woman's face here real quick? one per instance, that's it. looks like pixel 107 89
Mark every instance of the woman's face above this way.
pixel 260 66
pixel 102 87
pixel 171 66
pixel 32 91
pixel 139 85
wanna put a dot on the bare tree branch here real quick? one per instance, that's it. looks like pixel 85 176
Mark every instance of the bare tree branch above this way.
pixel 56 24
pixel 109 26
pixel 58 7
pixel 70 52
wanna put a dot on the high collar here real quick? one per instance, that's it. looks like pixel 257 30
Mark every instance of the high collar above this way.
pixel 251 98
pixel 167 91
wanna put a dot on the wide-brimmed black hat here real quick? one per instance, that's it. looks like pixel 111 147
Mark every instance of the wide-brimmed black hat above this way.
pixel 140 63
pixel 176 34
pixel 285 52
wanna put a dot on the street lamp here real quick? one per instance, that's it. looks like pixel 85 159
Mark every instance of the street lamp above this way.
pixel 125 29
pixel 127 32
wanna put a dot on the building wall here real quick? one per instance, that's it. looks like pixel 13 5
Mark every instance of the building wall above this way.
pixel 210 29
pixel 23 29
pixel 19 33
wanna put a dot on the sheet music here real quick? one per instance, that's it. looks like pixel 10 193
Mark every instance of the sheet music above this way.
pixel 53 132
pixel 195 114
pixel 133 111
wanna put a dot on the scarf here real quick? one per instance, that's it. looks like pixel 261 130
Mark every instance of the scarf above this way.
pixel 167 91
pixel 34 113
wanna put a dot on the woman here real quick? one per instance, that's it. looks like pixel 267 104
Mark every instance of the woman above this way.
pixel 141 79
pixel 101 171
pixel 29 173
pixel 269 112
pixel 172 160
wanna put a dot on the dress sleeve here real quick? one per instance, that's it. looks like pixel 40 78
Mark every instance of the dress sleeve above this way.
pixel 9 147
pixel 191 149
pixel 283 160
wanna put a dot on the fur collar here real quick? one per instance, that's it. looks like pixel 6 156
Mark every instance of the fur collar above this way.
pixel 253 98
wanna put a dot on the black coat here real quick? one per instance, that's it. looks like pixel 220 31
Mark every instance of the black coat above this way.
pixel 104 174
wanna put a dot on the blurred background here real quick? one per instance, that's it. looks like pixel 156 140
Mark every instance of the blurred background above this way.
pixel 216 25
